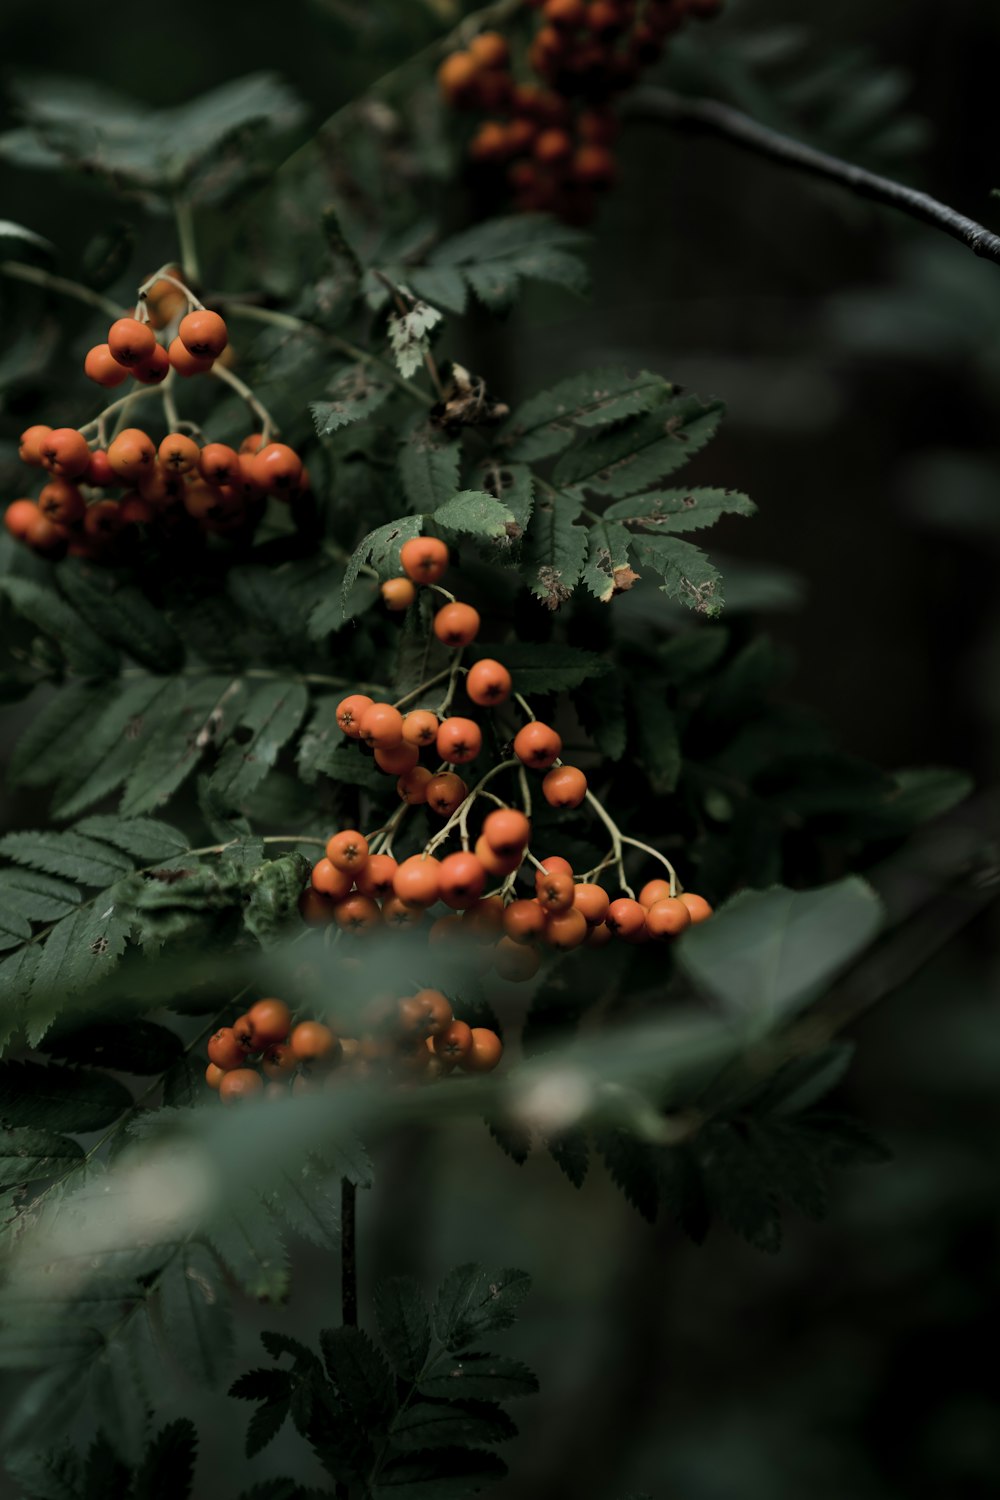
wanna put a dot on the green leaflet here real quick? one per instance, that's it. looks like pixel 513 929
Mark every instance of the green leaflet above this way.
pixel 544 424
pixel 273 714
pixel 641 451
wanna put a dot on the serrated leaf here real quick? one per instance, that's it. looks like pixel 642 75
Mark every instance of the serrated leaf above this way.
pixel 738 1188
pixel 173 735
pixel 687 574
pixel 679 510
pixel 473 1300
pixel 145 838
pixel 16 973
pixel 360 1376
pixel 403 1324
pixel 607 571
pixel 273 714
pixel 264 1426
pixel 83 649
pixel 408 336
pixel 249 1243
pixel 120 613
pixel 790 1166
pixel 196 1316
pixel 379 550
pixel 443 1424
pixel 601 707
pixel 79 951
pixel 68 855
pixel 658 745
pixel 54 1475
pixel 548 668
pixel 53 734
pixel 771 952
pixel 544 424
pixel 429 464
pixel 474 513
pixel 632 1166
pixel 29 1154
pixel 57 1099
pixel 354 394
pixel 479 1377
pixel 554 549
pixel 497 255
pixel 642 451
pixel 167 1468
pixel 307 1199
pixel 120 732
pixel 571 1155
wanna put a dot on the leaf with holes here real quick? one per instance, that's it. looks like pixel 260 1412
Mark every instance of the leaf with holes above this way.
pixel 544 424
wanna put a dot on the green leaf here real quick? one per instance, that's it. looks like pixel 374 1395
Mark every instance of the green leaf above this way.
pixel 443 1474
pixel 555 547
pixel 273 897
pixel 355 393
pixel 479 1377
pixel 544 424
pixel 443 1424
pixel 79 951
pixel 687 574
pixel 601 707
pixel 307 1199
pixel 84 651
pixel 16 974
pixel 474 513
pixel 68 855
pixel 120 613
pixel 145 838
pixel 642 451
pixel 249 1243
pixel 403 1324
pixel 167 1469
pixel 379 550
pixel 549 668
pixel 793 1170
pixel 497 255
pixel 359 1375
pixel 54 1475
pixel 921 795
pixel 679 510
pixel 633 1167
pixel 472 1300
pixel 429 464
pixel 802 1082
pixel 28 1154
pixel 607 566
pixel 133 1046
pixel 767 954
pixel 739 1188
pixel 195 1313
pixel 272 716
pixel 57 1099
pixel 658 744
pixel 53 735
pixel 111 739
pixel 168 742
pixel 408 336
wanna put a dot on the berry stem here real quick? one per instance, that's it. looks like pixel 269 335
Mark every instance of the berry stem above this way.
pixel 100 422
pixel 655 853
pixel 270 426
pixel 380 842
pixel 453 676
pixel 524 706
pixel 163 274
pixel 616 841
pixel 62 284
pixel 423 688
pixel 171 415
pixel 461 814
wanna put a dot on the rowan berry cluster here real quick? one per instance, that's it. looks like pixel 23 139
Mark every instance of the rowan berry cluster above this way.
pixel 551 135
pixel 102 486
pixel 360 887
pixel 267 1053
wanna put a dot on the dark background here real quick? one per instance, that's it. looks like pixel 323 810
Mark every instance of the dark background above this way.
pixel 856 355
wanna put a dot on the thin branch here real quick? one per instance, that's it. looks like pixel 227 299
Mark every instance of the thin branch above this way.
pixel 61 284
pixel 710 117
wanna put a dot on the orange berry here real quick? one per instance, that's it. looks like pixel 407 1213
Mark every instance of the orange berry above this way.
pixel 564 786
pixel 347 850
pixel 453 1043
pixel 21 517
pixel 316 909
pixel 484 919
pixel 489 142
pixel 597 127
pixel 178 453
pixel 553 147
pixel 417 880
pixel 506 830
pixel 593 901
pixel 697 906
pixel 330 881
pixel 155 369
pixel 516 961
pixel 240 1085
pixel 398 759
pixel 101 366
pixel 277 469
pixel 398 593
pixel 184 362
pixel 224 1049
pixel 594 166
pixel 64 451
pixel 489 49
pixel 279 1061
pixel 625 917
pixel 412 785
pixel 381 726
pixel 654 890
pixel 424 559
pixel 252 443
pixel 103 519
pixel 485 1052
pixel 98 471
pixel 456 625
pixel 599 935
pixel 130 342
pixel 31 444
pixel 164 301
pixel 457 76
pixel 567 929
pixel 214 1075
pixel 446 792
pixel 488 683
pixel 203 334
pixel 554 892
pixel 420 727
pixel 459 741
pixel 524 920
pixel 209 502
pixel 131 454
pixel 461 880
pixel 564 12
pixel 668 917
pixel 243 1029
pixel 376 876
pixel 135 511
pixel 494 863
pixel 396 914
pixel 61 502
pixel 556 865
pixel 270 1020
pixel 445 928
pixel 357 913
pixel 537 746
pixel 312 1042
pixel 349 711
pixel 425 1014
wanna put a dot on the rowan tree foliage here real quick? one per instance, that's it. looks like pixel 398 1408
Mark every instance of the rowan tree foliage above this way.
pixel 182 624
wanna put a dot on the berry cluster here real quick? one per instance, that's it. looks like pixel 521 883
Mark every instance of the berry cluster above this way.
pixel 359 886
pixel 552 138
pixel 264 1053
pixel 102 486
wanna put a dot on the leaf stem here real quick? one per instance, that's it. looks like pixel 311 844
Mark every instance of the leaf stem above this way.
pixel 270 426
pixel 61 284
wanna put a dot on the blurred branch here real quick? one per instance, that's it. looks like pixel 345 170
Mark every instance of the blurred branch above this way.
pixel 37 277
pixel 709 117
